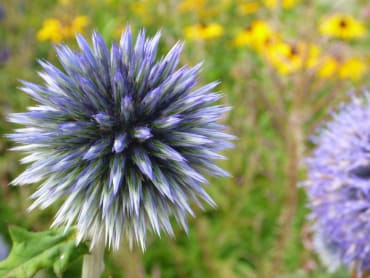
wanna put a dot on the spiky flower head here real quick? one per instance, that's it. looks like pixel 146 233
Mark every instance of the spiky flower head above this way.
pixel 122 137
pixel 338 184
pixel 327 250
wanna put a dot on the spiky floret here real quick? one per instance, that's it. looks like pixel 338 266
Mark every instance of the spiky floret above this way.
pixel 338 184
pixel 328 251
pixel 122 137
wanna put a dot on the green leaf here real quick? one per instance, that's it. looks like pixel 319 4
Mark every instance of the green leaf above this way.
pixel 33 251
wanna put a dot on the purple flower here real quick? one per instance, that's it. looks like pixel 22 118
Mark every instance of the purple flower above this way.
pixel 4 55
pixel 122 137
pixel 2 12
pixel 327 251
pixel 4 248
pixel 338 184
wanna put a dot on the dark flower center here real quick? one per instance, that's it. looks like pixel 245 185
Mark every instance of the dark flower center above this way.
pixel 203 25
pixel 248 28
pixel 343 24
pixel 293 50
pixel 362 172
pixel 267 41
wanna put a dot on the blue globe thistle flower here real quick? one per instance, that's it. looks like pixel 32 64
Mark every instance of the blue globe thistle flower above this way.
pixel 328 251
pixel 4 54
pixel 338 184
pixel 2 12
pixel 4 248
pixel 122 137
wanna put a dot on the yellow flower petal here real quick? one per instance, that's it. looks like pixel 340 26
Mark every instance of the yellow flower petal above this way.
pixel 289 58
pixel 342 26
pixel 328 67
pixel 79 24
pixel 353 69
pixel 249 7
pixel 259 35
pixel 203 31
pixel 286 4
pixel 52 30
pixel 312 55
pixel 285 58
pixel 191 5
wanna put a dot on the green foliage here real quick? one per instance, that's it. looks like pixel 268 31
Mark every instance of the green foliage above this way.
pixel 33 251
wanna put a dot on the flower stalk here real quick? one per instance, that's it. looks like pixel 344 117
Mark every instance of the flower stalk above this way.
pixel 93 263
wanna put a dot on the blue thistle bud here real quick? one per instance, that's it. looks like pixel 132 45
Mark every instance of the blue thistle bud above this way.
pixel 121 137
pixel 338 184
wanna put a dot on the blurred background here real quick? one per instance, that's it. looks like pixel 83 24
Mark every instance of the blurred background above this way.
pixel 283 66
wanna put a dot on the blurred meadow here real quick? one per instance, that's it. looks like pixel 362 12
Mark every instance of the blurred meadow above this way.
pixel 283 66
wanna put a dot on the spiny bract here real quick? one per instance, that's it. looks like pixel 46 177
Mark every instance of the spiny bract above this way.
pixel 122 137
pixel 338 184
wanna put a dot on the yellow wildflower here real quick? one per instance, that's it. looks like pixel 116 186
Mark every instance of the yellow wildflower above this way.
pixel 342 26
pixel 143 9
pixel 285 58
pixel 286 4
pixel 353 68
pixel 79 24
pixel 244 38
pixel 203 31
pixel 259 35
pixel 289 58
pixel 191 5
pixel 328 67
pixel 65 2
pixel 140 9
pixel 52 29
pixel 249 7
pixel 311 55
pixel 201 8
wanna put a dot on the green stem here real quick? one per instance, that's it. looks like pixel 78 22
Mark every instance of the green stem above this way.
pixel 93 264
